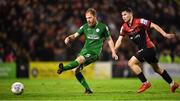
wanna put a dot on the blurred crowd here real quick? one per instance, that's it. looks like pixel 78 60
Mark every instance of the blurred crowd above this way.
pixel 34 30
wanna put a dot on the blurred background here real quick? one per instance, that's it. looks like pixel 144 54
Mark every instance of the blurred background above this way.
pixel 34 31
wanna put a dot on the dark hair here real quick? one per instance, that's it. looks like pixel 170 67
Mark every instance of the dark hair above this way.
pixel 127 9
pixel 92 11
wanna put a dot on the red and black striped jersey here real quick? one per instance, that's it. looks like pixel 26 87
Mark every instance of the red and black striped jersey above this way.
pixel 137 32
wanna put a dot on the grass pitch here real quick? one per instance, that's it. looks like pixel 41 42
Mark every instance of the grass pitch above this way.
pixel 109 89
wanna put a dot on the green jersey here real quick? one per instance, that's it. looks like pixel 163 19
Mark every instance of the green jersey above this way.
pixel 94 37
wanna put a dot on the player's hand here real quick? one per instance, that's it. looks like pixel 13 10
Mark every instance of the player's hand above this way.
pixel 114 56
pixel 66 41
pixel 169 36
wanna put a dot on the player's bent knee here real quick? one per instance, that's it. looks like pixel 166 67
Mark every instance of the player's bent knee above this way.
pixel 76 70
pixel 130 63
pixel 80 59
pixel 133 61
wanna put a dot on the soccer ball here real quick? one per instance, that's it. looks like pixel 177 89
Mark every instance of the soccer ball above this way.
pixel 17 88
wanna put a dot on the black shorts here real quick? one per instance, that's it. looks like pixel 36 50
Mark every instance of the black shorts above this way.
pixel 148 54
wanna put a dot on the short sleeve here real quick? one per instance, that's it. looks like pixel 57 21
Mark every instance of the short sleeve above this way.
pixel 145 23
pixel 121 32
pixel 80 30
pixel 107 33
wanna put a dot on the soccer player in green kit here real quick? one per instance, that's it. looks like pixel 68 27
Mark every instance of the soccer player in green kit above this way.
pixel 95 34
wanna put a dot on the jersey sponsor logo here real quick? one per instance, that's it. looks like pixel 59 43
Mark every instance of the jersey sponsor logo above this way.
pixel 97 29
pixel 144 21
pixel 134 31
pixel 91 36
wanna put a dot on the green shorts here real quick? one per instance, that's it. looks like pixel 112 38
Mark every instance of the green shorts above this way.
pixel 89 57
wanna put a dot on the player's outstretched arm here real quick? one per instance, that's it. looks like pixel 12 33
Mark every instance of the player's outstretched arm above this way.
pixel 118 43
pixel 160 30
pixel 111 45
pixel 70 38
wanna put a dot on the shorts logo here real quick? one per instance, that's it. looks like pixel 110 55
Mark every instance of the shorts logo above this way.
pixel 137 36
pixel 87 55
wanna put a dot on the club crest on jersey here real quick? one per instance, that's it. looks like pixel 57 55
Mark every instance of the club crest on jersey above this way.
pixel 97 29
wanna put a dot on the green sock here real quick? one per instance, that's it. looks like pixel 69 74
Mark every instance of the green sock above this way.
pixel 71 65
pixel 82 80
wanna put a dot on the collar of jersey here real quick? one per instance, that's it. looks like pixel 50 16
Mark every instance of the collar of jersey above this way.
pixel 95 25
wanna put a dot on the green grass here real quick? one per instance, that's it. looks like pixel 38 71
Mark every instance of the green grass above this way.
pixel 110 89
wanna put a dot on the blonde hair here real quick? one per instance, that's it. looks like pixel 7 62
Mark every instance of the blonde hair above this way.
pixel 92 11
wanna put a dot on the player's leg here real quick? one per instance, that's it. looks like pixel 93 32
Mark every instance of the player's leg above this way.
pixel 134 64
pixel 151 58
pixel 165 76
pixel 79 60
pixel 89 58
pixel 81 79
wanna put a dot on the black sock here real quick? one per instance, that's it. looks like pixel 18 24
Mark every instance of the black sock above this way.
pixel 166 77
pixel 142 77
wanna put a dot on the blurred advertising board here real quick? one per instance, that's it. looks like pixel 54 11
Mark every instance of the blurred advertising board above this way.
pixel 172 68
pixel 120 69
pixel 7 70
pixel 103 70
pixel 41 70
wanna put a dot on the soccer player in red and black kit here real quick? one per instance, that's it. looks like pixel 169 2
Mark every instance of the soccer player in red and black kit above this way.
pixel 136 29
